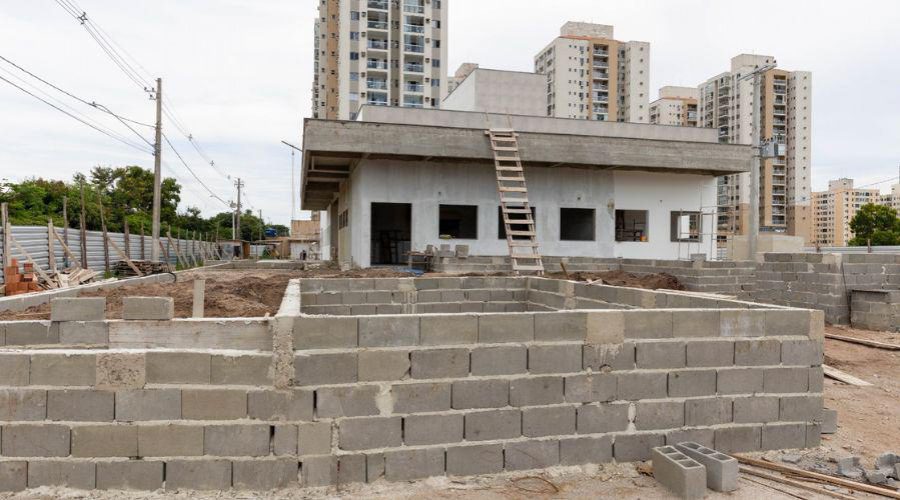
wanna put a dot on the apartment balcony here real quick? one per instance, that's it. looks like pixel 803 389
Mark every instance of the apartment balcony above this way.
pixel 413 87
pixel 376 84
pixel 377 25
pixel 413 102
pixel 779 110
pixel 377 64
pixel 377 44
pixel 414 7
pixel 601 117
pixel 600 88
pixel 377 102
pixel 601 64
pixel 601 97
pixel 414 68
pixel 692 115
pixel 414 28
pixel 378 4
pixel 414 48
pixel 601 75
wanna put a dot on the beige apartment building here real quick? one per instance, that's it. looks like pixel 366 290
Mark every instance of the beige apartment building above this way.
pixel 378 52
pixel 726 104
pixel 593 76
pixel 835 208
pixel 891 199
pixel 675 106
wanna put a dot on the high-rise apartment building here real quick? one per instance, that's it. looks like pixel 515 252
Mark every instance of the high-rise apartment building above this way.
pixel 891 199
pixel 378 52
pixel 592 76
pixel 834 209
pixel 675 106
pixel 726 104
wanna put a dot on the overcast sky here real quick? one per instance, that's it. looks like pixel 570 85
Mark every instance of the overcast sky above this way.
pixel 238 75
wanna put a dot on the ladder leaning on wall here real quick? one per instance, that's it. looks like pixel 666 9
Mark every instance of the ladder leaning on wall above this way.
pixel 514 206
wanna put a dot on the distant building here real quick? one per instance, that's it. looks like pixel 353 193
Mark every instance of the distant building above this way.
pixel 464 70
pixel 592 76
pixel 891 199
pixel 675 106
pixel 501 92
pixel 834 209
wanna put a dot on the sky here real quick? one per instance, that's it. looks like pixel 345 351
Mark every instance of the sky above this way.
pixel 237 76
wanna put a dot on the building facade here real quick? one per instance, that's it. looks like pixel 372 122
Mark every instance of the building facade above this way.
pixel 378 52
pixel 675 106
pixel 834 209
pixel 592 76
pixel 726 104
pixel 496 91
pixel 891 199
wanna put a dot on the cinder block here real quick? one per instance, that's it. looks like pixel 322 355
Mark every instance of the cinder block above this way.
pixel 803 352
pixel 661 355
pixel 14 369
pixel 285 440
pixel 742 323
pixel 353 469
pixel 314 438
pixel 787 322
pixel 383 365
pixel 783 436
pixel 801 409
pixel 757 352
pixel 389 331
pixel 548 421
pixel 152 404
pixel 419 398
pixel 480 394
pixel 474 460
pixel 13 476
pixel 138 475
pixel 292 405
pixel 170 440
pixel 721 470
pixel 636 447
pixel 236 440
pixel 681 475
pixel 178 367
pixel 148 308
pixel 691 383
pixel 448 330
pixel 440 363
pixel 198 475
pixel 695 323
pixel 319 471
pixel 784 380
pixel 710 353
pixel 35 440
pixel 354 401
pixel 324 369
pixel 707 411
pixel 534 391
pixel 406 465
pixel 758 409
pixel 80 405
pixel 241 370
pixel 738 439
pixel 641 385
pixel 31 333
pixel 75 475
pixel 526 455
pixel 829 421
pixel 502 328
pixel 493 424
pixel 602 418
pixel 266 475
pixel 560 326
pixel 612 357
pixel 432 429
pixel 554 359
pixel 814 435
pixel 78 309
pixel 648 324
pixel 84 332
pixel 63 369
pixel 91 441
pixel 739 381
pixel 369 433
pixel 658 415
pixel 605 328
pixel 585 450
pixel 213 404
pixel 501 360
pixel 18 405
pixel 115 370
pixel 325 333
pixel 596 387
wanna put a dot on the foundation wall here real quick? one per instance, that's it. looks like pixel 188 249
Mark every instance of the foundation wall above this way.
pixel 873 309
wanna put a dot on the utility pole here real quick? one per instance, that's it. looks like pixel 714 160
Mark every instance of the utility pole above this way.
pixel 237 214
pixel 262 226
pixel 293 185
pixel 157 174
pixel 755 159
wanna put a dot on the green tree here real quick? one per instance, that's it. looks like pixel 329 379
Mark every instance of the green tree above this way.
pixel 876 223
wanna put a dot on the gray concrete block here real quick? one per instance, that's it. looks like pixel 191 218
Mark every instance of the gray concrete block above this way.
pixel 374 467
pixel 198 475
pixel 707 411
pixel 369 433
pixel 170 440
pixel 324 369
pixel 115 371
pixel 585 450
pixel 641 385
pixel 742 323
pixel 533 391
pixel 661 355
pixel 692 383
pixel 648 324
pixel 609 357
pixel 787 322
pixel 63 369
pixel 802 352
pixel 738 439
pixel 407 465
pixel 13 476
pixel 138 475
pixel 678 473
pixel 448 330
pixel 650 415
pixel 527 455
pixel 801 409
pixel 695 323
pixel 178 367
pixel 602 418
pixel 480 394
pixel 721 470
pixel 501 360
pixel 474 460
pixel 319 471
pixel 440 363
pixel 75 475
pixel 739 381
pixel 420 398
pixel 34 440
pixel 710 353
pixel 292 405
pixel 757 352
pixel 148 308
pixel 560 326
pixel 353 401
pixel 548 421
pixel 785 380
pixel 243 440
pixel 636 447
pixel 389 331
pixel 285 439
pixel 18 405
pixel 265 475
pixel 501 328
pixel 383 365
pixel 493 424
pixel 31 333
pixel 352 469
pixel 213 404
pixel 759 409
pixel 704 436
pixel 78 309
pixel 15 368
pixel 589 388
pixel 325 333
pixel 554 359
pixel 783 436
pixel 84 332
pixel 91 441
pixel 152 404
pixel 432 429
pixel 314 438
pixel 829 421
pixel 241 370
pixel 81 405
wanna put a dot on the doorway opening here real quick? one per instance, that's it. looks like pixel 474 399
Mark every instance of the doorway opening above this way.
pixel 391 233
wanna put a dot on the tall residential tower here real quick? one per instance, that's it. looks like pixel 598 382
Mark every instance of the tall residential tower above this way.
pixel 675 106
pixel 378 52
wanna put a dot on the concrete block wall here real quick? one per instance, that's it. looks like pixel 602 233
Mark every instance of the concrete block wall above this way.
pixel 875 309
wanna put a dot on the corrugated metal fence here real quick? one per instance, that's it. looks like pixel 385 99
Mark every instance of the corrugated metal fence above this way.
pixel 34 240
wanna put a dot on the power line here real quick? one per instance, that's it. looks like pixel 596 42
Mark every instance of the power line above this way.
pixel 214 195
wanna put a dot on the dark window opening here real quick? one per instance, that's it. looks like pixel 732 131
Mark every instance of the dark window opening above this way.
pixel 576 224
pixel 501 231
pixel 686 226
pixel 391 233
pixel 631 225
pixel 458 222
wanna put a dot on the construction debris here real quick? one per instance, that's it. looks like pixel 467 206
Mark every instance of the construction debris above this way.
pixel 16 283
pixel 122 268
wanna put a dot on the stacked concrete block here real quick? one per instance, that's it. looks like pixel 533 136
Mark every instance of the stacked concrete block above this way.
pixel 721 470
pixel 148 308
pixel 680 474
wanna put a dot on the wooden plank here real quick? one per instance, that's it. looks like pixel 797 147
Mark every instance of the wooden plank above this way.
pixel 504 189
pixel 844 377
pixel 846 483
pixel 125 257
pixel 51 250
pixel 869 343
pixel 795 484
pixel 65 247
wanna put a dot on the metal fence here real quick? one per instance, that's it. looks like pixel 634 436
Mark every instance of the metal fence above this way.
pixel 35 241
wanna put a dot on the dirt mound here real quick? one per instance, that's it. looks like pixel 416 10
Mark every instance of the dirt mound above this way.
pixel 660 281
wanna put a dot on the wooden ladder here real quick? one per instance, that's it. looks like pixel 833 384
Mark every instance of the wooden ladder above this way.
pixel 523 247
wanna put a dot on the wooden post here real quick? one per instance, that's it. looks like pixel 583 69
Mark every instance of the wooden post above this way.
pixel 51 250
pixel 4 225
pixel 103 228
pixel 127 236
pixel 199 298
pixel 66 227
pixel 84 259
pixel 143 252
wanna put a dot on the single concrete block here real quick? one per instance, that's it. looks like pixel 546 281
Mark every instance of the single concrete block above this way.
pixel 585 450
pixel 121 371
pixel 448 330
pixel 681 475
pixel 213 404
pixel 503 328
pixel 803 352
pixel 75 475
pixel 636 447
pixel 801 409
pixel 63 369
pixel 548 421
pixel 314 438
pixel 742 323
pixel 406 465
pixel 502 360
pixel 13 476
pixel 34 440
pixel 354 401
pixel 291 405
pixel 695 323
pixel 707 411
pixel 236 440
pixel 710 353
pixel 474 460
pixel 17 405
pixel 650 415
pixel 148 308
pixel 596 387
pixel 493 424
pixel 138 475
pixel 534 391
pixel 78 309
pixel 178 367
pixel 739 381
pixel 383 365
pixel 432 429
pixel 738 439
pixel 31 333
pixel 554 359
pixel 369 433
pixel 14 369
pixel 80 405
pixel 641 385
pixel 721 469
pixel 527 455
pixel 648 324
pixel 353 469
pixel 605 328
pixel 692 383
pixel 440 363
pixel 285 439
pixel 602 418
pixel 560 326
pixel 661 354
pixel 325 333
pixel 319 471
pixel 612 357
pixel 786 380
pixel 84 332
pixel 265 475
pixel 787 322
pixel 198 475
pixel 170 440
pixel 151 404
pixel 388 331
pixel 324 369
pixel 783 436
pixel 757 352
pixel 480 394
pixel 421 398
pixel 91 441
pixel 829 421
pixel 241 370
